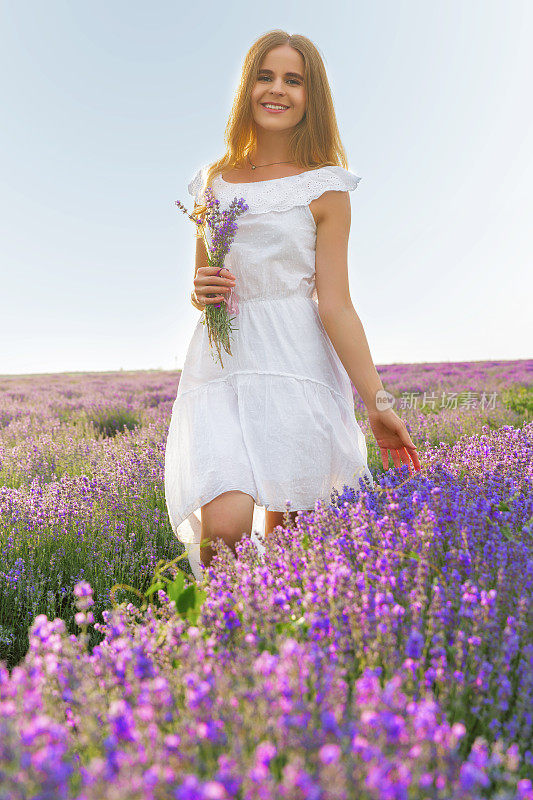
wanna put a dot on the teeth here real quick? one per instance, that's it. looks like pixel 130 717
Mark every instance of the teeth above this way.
pixel 270 105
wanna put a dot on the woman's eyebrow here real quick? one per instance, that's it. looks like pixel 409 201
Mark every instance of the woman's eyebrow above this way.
pixel 292 74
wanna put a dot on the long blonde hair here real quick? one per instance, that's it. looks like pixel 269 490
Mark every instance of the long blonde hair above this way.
pixel 315 141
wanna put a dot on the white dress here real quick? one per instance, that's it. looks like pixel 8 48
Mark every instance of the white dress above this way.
pixel 277 420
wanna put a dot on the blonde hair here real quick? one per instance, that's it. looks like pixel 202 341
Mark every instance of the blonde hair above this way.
pixel 315 141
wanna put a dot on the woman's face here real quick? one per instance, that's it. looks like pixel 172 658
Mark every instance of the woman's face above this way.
pixel 276 85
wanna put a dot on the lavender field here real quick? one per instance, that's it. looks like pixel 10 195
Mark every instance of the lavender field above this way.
pixel 382 648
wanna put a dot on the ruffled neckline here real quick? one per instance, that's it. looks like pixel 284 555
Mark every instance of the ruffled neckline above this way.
pixel 270 180
pixel 278 194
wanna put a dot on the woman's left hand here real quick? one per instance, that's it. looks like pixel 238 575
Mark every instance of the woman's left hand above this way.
pixel 391 434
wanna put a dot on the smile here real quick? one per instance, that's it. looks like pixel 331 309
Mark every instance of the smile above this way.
pixel 274 108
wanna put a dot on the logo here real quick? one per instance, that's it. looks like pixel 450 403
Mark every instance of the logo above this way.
pixel 384 400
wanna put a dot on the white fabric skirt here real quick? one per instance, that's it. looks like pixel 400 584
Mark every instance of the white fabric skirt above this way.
pixel 276 422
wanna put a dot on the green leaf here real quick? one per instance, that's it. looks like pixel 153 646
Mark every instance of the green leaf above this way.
pixel 186 600
pixel 175 588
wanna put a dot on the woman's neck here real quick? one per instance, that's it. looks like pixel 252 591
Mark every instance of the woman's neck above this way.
pixel 270 149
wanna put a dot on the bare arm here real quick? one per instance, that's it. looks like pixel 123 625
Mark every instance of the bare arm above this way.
pixel 332 213
pixel 338 315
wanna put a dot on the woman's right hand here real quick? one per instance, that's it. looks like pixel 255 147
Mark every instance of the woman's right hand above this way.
pixel 210 287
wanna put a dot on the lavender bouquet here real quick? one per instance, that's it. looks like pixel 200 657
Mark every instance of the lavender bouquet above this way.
pixel 217 229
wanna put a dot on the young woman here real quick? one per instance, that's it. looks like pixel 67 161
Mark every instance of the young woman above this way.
pixel 277 422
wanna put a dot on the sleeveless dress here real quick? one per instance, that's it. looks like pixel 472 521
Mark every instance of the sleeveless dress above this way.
pixel 277 420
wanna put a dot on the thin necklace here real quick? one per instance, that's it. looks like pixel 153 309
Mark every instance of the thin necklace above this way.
pixel 254 166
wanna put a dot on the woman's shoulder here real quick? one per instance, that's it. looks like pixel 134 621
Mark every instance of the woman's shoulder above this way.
pixel 197 182
pixel 332 177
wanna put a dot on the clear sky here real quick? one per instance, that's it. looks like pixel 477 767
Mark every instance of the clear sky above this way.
pixel 108 109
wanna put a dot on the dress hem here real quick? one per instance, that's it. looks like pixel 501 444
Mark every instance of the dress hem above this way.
pixel 211 496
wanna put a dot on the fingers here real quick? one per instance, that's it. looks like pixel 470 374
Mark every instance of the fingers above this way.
pixel 207 299
pixel 223 274
pixel 408 452
pixel 409 449
pixel 211 287
pixel 214 289
pixel 414 457
pixel 212 297
pixel 396 458
pixel 404 456
pixel 400 456
pixel 407 456
pixel 385 457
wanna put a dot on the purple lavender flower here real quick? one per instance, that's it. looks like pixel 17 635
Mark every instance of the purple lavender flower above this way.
pixel 218 230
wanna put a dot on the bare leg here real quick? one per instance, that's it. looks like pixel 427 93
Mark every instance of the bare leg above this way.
pixel 275 518
pixel 229 516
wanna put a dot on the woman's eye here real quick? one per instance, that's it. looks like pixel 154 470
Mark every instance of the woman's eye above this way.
pixel 266 78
